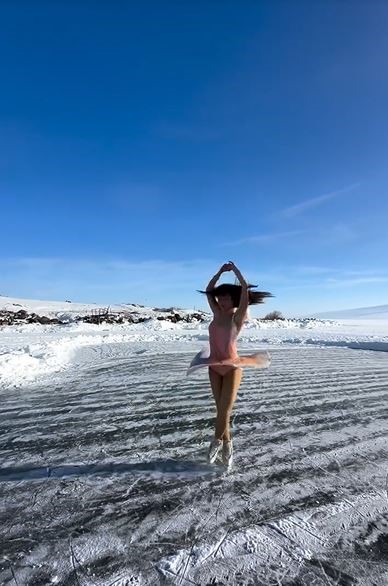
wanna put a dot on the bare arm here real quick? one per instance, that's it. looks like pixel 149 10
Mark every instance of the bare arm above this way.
pixel 212 302
pixel 241 312
pixel 214 280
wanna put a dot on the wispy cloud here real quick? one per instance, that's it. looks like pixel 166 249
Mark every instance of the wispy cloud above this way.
pixel 164 283
pixel 341 233
pixel 107 280
pixel 311 270
pixel 310 277
pixel 366 273
pixel 317 271
pixel 301 207
pixel 263 238
pixel 332 282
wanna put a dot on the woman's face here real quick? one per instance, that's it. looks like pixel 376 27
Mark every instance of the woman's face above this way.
pixel 225 302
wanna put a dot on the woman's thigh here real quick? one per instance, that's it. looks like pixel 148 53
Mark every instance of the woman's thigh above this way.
pixel 216 384
pixel 230 384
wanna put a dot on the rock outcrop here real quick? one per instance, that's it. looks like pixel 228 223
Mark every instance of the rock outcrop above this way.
pixel 9 318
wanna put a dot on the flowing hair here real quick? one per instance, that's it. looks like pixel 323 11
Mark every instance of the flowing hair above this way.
pixel 254 297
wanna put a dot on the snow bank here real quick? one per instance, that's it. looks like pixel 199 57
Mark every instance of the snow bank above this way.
pixel 67 310
pixel 62 309
pixel 31 351
pixel 24 364
pixel 28 352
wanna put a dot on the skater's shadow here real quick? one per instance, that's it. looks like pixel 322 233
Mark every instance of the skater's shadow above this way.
pixel 156 468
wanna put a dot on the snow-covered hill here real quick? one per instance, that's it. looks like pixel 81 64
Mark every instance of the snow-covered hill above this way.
pixel 68 310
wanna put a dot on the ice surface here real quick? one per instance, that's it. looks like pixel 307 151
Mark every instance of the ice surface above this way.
pixel 104 480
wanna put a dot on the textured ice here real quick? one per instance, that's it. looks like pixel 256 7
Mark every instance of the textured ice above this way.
pixel 104 480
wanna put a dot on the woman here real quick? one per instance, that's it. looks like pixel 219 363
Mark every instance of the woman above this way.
pixel 229 304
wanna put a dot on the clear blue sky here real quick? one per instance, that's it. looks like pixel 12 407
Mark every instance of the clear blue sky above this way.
pixel 145 143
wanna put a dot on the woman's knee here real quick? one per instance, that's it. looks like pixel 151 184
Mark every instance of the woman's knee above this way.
pixel 228 398
pixel 225 411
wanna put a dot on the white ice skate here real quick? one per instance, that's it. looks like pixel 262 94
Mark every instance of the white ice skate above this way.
pixel 227 453
pixel 214 449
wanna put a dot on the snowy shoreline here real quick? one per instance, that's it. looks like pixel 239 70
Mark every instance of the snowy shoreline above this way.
pixel 31 351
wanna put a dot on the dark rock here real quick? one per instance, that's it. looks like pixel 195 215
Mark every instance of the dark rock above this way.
pixel 197 316
pixel 44 320
pixel 5 321
pixel 21 314
pixel 33 319
pixel 104 317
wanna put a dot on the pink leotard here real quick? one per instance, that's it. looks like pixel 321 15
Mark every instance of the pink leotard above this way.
pixel 223 354
pixel 223 341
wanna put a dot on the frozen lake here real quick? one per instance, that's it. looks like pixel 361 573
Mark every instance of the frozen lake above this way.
pixel 104 478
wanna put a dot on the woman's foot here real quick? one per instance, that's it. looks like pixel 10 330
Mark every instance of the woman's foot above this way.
pixel 214 449
pixel 227 453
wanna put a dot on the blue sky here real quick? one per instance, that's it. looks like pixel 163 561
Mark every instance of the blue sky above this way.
pixel 144 144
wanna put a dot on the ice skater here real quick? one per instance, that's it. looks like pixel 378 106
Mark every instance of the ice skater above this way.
pixel 229 304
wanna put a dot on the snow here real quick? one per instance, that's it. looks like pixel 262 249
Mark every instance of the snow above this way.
pixel 69 309
pixel 55 308
pixel 31 351
pixel 103 472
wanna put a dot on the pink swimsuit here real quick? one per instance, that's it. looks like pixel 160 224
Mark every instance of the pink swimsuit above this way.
pixel 223 354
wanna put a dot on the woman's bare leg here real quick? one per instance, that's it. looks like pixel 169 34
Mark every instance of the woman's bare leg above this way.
pixel 230 384
pixel 216 385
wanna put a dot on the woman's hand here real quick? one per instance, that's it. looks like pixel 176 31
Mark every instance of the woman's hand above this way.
pixel 226 267
pixel 232 266
pixel 212 283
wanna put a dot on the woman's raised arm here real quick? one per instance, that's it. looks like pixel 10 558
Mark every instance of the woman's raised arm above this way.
pixel 212 302
pixel 244 299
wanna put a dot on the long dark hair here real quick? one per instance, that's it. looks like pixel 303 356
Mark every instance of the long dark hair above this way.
pixel 255 297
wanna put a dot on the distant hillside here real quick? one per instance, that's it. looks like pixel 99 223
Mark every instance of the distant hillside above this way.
pixel 14 310
pixel 376 312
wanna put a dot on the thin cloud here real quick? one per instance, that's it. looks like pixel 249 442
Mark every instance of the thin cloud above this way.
pixel 366 273
pixel 316 201
pixel 310 270
pixel 341 233
pixel 106 280
pixel 342 281
pixel 352 282
pixel 263 238
pixel 317 271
